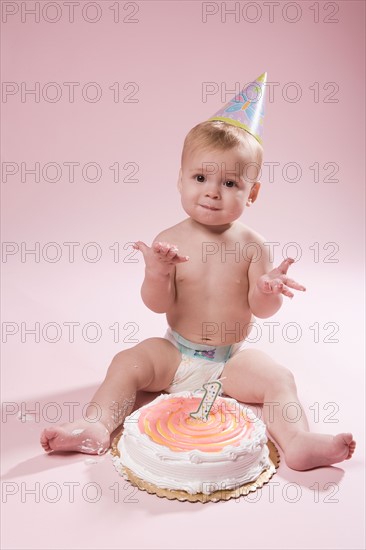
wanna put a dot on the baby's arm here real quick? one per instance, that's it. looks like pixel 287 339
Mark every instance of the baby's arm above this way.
pixel 158 288
pixel 267 284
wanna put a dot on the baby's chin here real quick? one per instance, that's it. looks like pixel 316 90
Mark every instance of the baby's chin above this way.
pixel 213 221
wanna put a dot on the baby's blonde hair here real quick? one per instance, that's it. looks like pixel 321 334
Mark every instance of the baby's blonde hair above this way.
pixel 215 134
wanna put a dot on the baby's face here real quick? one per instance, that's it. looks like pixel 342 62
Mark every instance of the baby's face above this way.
pixel 215 185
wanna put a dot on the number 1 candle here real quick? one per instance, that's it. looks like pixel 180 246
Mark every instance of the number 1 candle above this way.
pixel 212 390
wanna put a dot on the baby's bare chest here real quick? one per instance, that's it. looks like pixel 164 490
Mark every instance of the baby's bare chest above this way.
pixel 215 267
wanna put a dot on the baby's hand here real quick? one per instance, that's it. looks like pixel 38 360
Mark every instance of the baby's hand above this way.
pixel 277 282
pixel 161 257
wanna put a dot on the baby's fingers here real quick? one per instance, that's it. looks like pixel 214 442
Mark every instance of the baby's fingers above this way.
pixel 286 292
pixel 283 267
pixel 172 254
pixel 293 284
pixel 140 245
pixel 169 252
pixel 158 246
pixel 163 248
pixel 179 259
pixel 274 286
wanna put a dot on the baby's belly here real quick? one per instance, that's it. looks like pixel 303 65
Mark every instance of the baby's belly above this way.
pixel 215 330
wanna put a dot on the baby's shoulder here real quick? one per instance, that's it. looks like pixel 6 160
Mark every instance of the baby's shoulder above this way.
pixel 248 235
pixel 254 244
pixel 171 234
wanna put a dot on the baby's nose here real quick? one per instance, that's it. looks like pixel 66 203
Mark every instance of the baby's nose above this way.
pixel 213 191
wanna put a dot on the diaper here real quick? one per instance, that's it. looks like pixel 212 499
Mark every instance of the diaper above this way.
pixel 200 363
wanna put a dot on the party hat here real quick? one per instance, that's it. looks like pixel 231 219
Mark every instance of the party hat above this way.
pixel 246 109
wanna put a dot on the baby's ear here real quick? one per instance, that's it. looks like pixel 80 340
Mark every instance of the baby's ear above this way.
pixel 179 183
pixel 254 190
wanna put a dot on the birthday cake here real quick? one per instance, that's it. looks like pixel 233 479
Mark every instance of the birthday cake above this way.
pixel 166 445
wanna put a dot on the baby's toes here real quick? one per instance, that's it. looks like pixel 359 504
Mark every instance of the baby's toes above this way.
pixel 351 449
pixel 46 436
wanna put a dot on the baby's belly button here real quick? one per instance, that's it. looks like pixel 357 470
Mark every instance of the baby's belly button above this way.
pixel 223 333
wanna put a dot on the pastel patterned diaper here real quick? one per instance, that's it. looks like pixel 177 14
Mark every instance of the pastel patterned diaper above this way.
pixel 200 363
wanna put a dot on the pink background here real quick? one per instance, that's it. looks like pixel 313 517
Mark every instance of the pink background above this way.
pixel 170 52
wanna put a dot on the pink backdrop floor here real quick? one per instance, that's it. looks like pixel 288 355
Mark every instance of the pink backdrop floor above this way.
pixel 81 503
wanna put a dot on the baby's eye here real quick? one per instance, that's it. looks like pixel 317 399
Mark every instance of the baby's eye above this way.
pixel 200 178
pixel 230 183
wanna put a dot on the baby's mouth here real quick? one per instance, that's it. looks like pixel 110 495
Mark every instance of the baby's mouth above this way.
pixel 208 207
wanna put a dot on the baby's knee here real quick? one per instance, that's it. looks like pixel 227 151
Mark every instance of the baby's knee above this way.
pixel 283 378
pixel 133 365
pixel 121 359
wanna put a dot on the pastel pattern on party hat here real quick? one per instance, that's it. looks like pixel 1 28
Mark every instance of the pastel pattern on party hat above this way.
pixel 246 109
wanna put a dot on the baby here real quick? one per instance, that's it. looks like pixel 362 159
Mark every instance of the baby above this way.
pixel 211 275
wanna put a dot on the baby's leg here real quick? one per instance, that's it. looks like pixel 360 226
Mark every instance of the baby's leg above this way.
pixel 253 377
pixel 149 366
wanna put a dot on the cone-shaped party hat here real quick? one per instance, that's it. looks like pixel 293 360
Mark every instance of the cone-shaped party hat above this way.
pixel 246 109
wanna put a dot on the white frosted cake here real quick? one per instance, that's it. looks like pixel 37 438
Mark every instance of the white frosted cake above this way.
pixel 164 445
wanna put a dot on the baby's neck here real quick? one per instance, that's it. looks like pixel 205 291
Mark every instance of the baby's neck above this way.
pixel 211 229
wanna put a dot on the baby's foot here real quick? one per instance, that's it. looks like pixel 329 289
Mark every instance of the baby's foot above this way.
pixel 82 436
pixel 308 450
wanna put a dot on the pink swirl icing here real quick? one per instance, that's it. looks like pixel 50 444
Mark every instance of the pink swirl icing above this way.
pixel 169 423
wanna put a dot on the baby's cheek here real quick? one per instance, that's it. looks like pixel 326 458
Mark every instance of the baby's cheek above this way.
pixel 240 204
